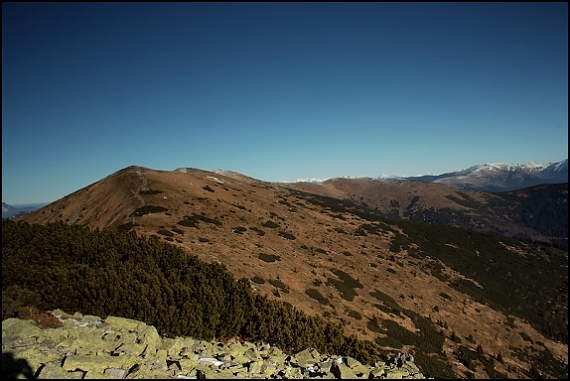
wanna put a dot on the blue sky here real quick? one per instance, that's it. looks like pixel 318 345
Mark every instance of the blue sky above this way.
pixel 277 91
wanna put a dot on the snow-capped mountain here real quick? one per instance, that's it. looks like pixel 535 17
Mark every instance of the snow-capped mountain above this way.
pixel 500 177
pixel 9 211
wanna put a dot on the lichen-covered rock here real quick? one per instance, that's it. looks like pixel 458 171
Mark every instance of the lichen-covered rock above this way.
pixel 342 371
pixel 86 347
pixel 21 328
pixel 150 338
pixel 119 323
pixel 52 371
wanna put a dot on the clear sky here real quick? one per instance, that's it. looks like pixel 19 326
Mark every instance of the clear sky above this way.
pixel 277 91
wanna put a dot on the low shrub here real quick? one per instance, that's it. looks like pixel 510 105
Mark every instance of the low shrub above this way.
pixel 388 342
pixel 259 232
pixel 314 294
pixel 269 257
pixel 149 191
pixel 445 296
pixel 286 235
pixel 126 227
pixel 146 210
pixel 354 314
pixel 279 284
pixel 188 223
pixel 270 224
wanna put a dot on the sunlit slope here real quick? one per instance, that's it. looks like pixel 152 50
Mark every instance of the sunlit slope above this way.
pixel 348 263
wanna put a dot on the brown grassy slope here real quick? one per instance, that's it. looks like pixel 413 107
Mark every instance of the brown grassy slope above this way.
pixel 429 203
pixel 325 241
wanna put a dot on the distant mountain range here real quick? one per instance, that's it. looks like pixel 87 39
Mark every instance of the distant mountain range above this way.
pixel 11 212
pixel 493 177
pixel 500 177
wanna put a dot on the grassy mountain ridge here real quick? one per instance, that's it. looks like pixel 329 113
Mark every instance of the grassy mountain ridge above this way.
pixel 387 281
pixel 539 212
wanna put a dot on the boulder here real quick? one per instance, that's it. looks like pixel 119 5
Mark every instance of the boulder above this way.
pixel 342 371
pixel 119 373
pixel 124 348
pixel 21 328
pixel 255 366
pixel 52 371
pixel 119 323
pixel 149 337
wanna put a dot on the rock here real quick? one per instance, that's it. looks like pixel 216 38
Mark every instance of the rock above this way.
pixel 255 366
pixel 150 338
pixel 173 346
pixel 119 323
pixel 377 373
pixel 342 371
pixel 21 328
pixel 116 372
pixel 35 357
pixel 396 374
pixel 252 354
pixel 51 371
pixel 121 348
pixel 305 357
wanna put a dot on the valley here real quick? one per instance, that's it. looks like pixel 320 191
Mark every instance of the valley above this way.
pixel 394 282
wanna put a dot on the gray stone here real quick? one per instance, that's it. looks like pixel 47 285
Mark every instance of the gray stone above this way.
pixel 119 373
pixel 51 371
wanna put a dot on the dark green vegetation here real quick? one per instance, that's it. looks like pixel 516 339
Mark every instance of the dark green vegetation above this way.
pixel 126 227
pixel 270 224
pixel 526 279
pixel 193 220
pixel 391 305
pixel 166 232
pixel 286 235
pixel 317 296
pixel 239 229
pixel 258 231
pixel 532 286
pixel 269 257
pixel 147 209
pixel 145 191
pixel 278 284
pixel 345 285
pixel 257 280
pixel 109 272
pixel 542 363
pixel 542 208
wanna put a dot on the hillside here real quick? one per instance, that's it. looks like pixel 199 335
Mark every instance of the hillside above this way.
pixel 536 213
pixel 388 281
pixel 501 177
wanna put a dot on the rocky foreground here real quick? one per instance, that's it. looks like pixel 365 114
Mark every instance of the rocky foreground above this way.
pixel 87 347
